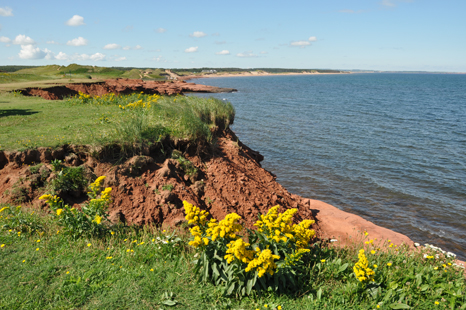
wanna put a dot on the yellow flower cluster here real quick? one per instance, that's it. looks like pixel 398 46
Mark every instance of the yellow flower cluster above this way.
pixel 194 215
pixel 97 219
pixel 238 249
pixel 361 270
pixel 226 228
pixel 146 103
pixel 105 194
pixel 264 262
pixel 3 209
pixel 97 184
pixel 83 96
pixel 198 240
pixel 50 199
pixel 280 228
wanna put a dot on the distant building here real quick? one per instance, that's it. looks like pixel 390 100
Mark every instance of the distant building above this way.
pixel 209 71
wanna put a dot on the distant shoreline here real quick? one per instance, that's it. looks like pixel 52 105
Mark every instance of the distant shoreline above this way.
pixel 246 73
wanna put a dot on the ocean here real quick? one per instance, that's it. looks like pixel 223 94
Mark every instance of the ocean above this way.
pixel 388 147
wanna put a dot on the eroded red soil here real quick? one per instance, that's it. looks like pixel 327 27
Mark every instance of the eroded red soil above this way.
pixel 122 86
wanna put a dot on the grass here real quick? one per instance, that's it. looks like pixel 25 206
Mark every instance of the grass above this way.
pixel 101 121
pixel 150 268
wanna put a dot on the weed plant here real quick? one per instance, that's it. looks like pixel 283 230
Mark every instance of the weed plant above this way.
pixel 67 179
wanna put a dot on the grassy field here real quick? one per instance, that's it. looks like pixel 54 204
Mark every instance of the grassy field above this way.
pixel 151 268
pixel 55 74
pixel 30 122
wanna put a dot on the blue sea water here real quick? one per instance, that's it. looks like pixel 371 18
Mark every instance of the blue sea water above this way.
pixel 388 147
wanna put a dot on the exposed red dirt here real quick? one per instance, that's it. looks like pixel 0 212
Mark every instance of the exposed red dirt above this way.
pixel 150 187
pixel 122 86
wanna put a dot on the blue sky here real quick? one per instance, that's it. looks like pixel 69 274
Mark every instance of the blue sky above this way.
pixel 426 35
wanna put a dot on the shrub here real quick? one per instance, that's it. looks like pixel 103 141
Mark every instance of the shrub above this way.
pixel 92 217
pixel 273 258
pixel 68 179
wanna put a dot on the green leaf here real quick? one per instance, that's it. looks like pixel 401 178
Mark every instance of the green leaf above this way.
pixel 231 288
pixel 215 271
pixel 169 302
pixel 249 286
pixel 319 294
pixel 342 268
pixel 424 287
pixel 399 306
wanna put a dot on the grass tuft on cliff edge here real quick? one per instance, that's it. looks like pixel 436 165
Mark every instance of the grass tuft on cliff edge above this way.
pixel 31 122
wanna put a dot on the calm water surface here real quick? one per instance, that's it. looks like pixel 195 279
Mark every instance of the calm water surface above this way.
pixel 388 147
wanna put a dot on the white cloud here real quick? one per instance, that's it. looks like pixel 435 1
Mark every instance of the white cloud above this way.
pixel 5 39
pixel 111 46
pixel 31 52
pixel 198 34
pixel 97 57
pixel 191 50
pixel 80 41
pixel 312 39
pixel 160 30
pixel 120 58
pixel 22 39
pixel 6 11
pixel 52 42
pixel 76 20
pixel 224 52
pixel 246 55
pixel 137 47
pixel 264 52
pixel 300 43
pixel 61 56
pixel 80 57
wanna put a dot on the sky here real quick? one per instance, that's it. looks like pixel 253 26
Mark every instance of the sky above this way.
pixel 388 35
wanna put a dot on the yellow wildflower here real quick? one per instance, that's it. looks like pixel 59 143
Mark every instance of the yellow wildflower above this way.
pixel 194 215
pixel 361 269
pixel 226 228
pixel 97 219
pixel 264 262
pixel 59 211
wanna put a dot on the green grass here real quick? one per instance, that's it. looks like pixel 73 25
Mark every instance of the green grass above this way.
pixel 147 268
pixel 30 122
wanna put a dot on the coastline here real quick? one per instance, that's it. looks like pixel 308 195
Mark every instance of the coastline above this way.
pixel 254 73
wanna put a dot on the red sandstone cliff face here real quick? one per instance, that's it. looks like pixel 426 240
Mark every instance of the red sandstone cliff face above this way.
pixel 229 179
pixel 122 86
